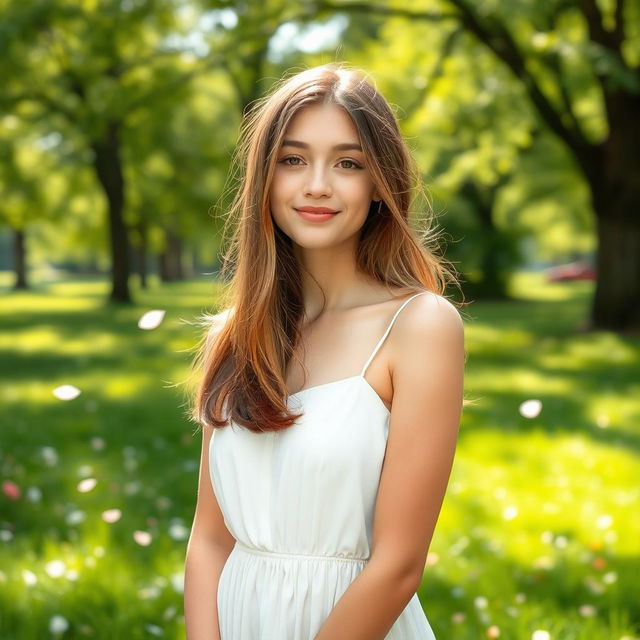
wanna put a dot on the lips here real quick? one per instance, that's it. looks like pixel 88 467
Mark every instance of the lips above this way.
pixel 316 210
pixel 317 214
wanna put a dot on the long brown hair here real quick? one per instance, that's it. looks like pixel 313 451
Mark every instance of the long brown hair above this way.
pixel 243 354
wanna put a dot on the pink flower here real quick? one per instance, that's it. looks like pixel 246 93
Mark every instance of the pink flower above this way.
pixel 11 490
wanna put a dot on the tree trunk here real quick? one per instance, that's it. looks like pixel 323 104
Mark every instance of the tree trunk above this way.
pixel 142 253
pixel 171 258
pixel 616 304
pixel 142 265
pixel 615 190
pixel 20 259
pixel 108 166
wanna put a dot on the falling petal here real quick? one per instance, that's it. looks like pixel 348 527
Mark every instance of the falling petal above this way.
pixel 34 494
pixel 540 634
pixel 602 420
pixel 49 455
pixel 480 602
pixel 55 568
pixel 72 575
pixel 99 551
pixel 604 521
pixel 587 610
pixel 458 617
pixel 154 630
pixel 561 542
pixel 510 512
pixel 177 531
pixel 610 577
pixel 75 517
pixel 111 515
pixel 169 612
pixel 58 624
pixel 151 319
pixel 432 559
pixel 11 490
pixel 143 538
pixel 6 535
pixel 177 582
pixel 493 631
pixel 86 485
pixel 530 408
pixel 66 392
pixel 29 577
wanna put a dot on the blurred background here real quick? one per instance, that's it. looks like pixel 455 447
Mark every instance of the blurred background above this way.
pixel 118 119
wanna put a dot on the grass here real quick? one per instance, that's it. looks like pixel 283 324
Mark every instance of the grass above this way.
pixel 539 529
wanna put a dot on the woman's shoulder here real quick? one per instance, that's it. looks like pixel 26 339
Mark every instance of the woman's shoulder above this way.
pixel 428 315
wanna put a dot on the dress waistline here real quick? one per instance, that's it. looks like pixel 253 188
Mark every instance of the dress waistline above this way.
pixel 296 556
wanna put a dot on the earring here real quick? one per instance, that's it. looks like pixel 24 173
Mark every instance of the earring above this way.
pixel 379 206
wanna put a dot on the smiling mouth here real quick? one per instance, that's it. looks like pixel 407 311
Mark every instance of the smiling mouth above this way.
pixel 314 216
pixel 317 210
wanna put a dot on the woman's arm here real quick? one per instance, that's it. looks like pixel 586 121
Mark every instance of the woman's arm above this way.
pixel 428 365
pixel 210 544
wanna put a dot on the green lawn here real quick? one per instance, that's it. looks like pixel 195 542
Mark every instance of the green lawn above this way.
pixel 540 527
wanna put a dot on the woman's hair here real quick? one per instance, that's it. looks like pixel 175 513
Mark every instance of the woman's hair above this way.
pixel 244 351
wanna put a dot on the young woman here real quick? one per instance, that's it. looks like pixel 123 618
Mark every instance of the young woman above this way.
pixel 329 389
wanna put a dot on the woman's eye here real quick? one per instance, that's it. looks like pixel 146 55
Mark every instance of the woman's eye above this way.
pixel 354 164
pixel 286 161
pixel 295 161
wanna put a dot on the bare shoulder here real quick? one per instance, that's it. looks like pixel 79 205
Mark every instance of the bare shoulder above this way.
pixel 427 313
pixel 427 323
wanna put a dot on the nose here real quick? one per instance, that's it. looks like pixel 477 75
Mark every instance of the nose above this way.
pixel 317 182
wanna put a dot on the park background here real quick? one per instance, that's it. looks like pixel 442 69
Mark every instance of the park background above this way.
pixel 118 121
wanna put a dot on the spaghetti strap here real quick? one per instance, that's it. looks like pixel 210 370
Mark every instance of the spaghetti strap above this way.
pixel 384 335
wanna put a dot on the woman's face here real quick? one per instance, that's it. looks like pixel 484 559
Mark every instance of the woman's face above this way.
pixel 321 164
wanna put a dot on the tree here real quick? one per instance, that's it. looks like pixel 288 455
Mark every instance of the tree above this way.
pixel 91 67
pixel 578 63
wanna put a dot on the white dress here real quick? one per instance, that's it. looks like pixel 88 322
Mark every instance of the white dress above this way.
pixel 300 504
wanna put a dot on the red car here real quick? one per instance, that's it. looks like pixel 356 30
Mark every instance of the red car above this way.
pixel 579 270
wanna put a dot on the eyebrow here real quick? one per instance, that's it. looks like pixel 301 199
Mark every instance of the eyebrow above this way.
pixel 344 146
